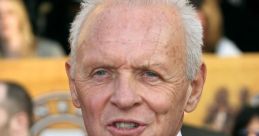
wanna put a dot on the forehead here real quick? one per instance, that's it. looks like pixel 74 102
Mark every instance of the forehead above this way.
pixel 156 23
pixel 138 34
pixel 5 4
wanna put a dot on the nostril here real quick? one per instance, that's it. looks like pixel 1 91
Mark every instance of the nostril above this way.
pixel 125 100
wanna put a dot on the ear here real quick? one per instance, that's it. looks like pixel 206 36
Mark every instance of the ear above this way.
pixel 196 88
pixel 19 123
pixel 72 85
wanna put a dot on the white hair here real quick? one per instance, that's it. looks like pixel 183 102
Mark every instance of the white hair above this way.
pixel 191 24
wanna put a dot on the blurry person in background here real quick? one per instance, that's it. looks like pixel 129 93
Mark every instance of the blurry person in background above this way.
pixel 47 23
pixel 247 122
pixel 244 97
pixel 254 101
pixel 220 114
pixel 16 37
pixel 16 110
pixel 214 40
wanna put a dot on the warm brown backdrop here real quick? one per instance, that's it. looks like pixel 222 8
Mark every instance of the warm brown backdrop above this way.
pixel 41 76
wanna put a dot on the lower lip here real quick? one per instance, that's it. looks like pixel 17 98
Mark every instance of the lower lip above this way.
pixel 129 132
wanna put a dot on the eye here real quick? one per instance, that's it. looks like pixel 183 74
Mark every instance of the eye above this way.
pixel 151 76
pixel 101 74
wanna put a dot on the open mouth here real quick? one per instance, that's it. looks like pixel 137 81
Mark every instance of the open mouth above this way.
pixel 122 127
pixel 125 125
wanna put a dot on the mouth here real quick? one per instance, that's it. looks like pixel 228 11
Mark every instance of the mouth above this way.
pixel 126 127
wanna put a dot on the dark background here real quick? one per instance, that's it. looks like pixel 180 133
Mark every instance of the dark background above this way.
pixel 241 21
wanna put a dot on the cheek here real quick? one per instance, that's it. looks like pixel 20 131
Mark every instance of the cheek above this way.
pixel 93 100
pixel 3 117
pixel 8 20
pixel 14 22
pixel 166 99
pixel 11 25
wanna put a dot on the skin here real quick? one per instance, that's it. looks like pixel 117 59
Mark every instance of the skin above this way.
pixel 11 124
pixel 4 126
pixel 3 122
pixel 10 30
pixel 212 24
pixel 253 126
pixel 131 68
pixel 9 22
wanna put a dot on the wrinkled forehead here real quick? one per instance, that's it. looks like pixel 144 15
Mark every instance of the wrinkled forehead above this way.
pixel 132 23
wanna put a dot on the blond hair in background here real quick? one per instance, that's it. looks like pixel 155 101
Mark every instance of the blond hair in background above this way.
pixel 26 35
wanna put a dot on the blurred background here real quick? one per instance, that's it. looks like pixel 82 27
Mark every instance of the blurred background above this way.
pixel 34 47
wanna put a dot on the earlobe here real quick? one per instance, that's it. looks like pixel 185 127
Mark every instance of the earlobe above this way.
pixel 72 85
pixel 196 88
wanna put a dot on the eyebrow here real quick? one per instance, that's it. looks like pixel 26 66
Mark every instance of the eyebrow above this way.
pixel 109 63
pixel 153 66
pixel 147 65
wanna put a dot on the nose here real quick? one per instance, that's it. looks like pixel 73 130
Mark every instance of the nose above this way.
pixel 125 95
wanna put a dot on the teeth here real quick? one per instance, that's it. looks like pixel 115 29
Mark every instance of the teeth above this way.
pixel 126 125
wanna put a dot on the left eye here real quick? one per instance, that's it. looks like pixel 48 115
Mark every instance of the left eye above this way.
pixel 151 76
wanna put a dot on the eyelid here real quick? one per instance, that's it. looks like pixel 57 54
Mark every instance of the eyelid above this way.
pixel 159 76
pixel 97 69
pixel 150 72
pixel 109 70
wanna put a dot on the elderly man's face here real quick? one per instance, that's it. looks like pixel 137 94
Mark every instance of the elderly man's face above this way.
pixel 130 77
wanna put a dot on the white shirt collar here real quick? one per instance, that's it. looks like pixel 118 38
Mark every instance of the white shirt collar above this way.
pixel 179 134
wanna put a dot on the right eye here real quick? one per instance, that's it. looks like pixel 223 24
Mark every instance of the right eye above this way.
pixel 101 74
